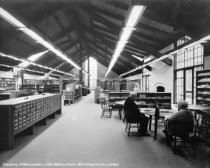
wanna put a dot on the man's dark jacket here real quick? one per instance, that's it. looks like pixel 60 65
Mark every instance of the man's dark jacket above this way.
pixel 130 106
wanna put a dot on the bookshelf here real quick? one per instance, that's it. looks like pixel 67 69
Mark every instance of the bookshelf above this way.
pixel 117 96
pixel 203 87
pixel 41 88
pixel 85 91
pixel 7 84
pixel 107 85
pixel 68 97
pixel 77 92
pixel 148 99
pixel 100 84
pixel 125 85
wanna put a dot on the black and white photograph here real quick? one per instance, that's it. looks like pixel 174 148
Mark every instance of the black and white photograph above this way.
pixel 105 83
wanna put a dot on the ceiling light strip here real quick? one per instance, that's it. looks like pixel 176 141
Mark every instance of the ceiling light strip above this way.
pixel 32 63
pixel 56 75
pixel 140 59
pixel 22 68
pixel 202 40
pixel 132 20
pixel 8 17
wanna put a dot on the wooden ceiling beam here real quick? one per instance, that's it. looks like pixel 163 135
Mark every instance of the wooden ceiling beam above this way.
pixel 119 4
pixel 117 69
pixel 141 26
pixel 117 28
pixel 47 10
pixel 101 60
pixel 134 53
pixel 151 14
pixel 63 34
pixel 109 13
pixel 62 27
pixel 70 45
pixel 151 50
pixel 129 46
pixel 149 38
pixel 123 60
pixel 106 22
pixel 104 55
pixel 168 61
pixel 106 30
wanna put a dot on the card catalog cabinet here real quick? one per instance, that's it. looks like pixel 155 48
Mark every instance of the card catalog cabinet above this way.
pixel 19 114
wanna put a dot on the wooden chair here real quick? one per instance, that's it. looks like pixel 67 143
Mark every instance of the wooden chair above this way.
pixel 202 127
pixel 106 108
pixel 132 121
pixel 181 131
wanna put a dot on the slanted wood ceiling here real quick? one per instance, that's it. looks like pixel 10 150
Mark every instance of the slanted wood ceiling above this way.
pixel 83 28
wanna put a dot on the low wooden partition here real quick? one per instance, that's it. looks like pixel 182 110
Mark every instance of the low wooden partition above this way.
pixel 19 114
pixel 12 94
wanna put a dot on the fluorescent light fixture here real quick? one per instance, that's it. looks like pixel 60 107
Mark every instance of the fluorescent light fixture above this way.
pixel 22 68
pixel 134 16
pixel 6 66
pixel 140 59
pixel 202 40
pixel 8 17
pixel 31 33
pixel 32 58
pixel 32 63
pixel 36 56
pixel 125 34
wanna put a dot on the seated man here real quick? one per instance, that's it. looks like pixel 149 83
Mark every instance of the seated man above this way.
pixel 131 108
pixel 183 114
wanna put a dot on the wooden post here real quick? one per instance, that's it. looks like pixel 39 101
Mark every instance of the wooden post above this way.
pixel 89 71
pixel 80 72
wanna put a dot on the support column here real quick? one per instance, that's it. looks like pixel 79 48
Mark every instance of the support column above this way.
pixel 80 72
pixel 89 71
pixel 22 73
pixel 206 56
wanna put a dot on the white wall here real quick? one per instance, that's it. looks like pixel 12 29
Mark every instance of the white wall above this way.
pixel 28 76
pixel 161 74
pixel 207 62
pixel 9 74
pixel 102 70
pixel 6 74
pixel 134 77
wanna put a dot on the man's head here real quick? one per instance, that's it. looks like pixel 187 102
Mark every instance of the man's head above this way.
pixel 133 95
pixel 182 104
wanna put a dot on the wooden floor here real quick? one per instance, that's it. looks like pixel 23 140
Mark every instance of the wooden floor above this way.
pixel 81 138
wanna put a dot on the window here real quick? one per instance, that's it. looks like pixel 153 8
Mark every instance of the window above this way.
pixel 145 80
pixel 183 40
pixel 92 71
pixel 86 69
pixel 187 62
